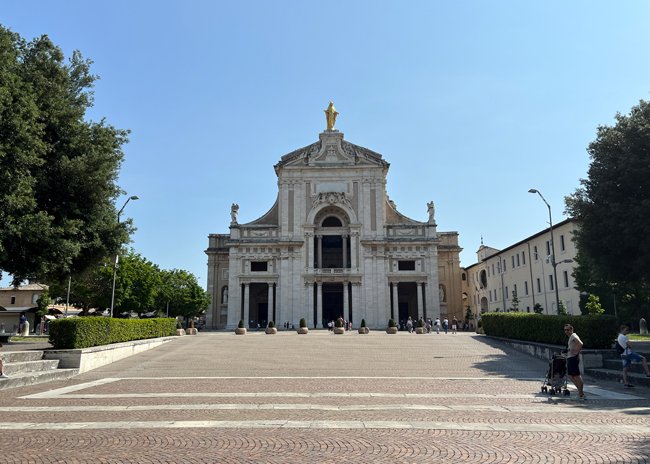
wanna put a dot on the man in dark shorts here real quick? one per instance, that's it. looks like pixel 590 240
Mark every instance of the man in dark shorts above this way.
pixel 573 359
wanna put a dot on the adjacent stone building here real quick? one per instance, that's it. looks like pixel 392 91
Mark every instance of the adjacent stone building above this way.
pixel 332 245
pixel 525 270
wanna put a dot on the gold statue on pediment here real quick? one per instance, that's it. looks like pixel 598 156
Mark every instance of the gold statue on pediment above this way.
pixel 330 115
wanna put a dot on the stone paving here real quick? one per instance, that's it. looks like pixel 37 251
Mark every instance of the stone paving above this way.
pixel 350 398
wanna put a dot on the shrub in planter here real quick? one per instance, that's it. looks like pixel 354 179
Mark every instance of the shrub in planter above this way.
pixel 338 327
pixel 338 323
pixel 303 322
pixel 240 330
pixel 270 329
pixel 303 327
pixel 392 327
pixel 363 329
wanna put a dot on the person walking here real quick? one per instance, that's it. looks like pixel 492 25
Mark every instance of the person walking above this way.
pixel 454 325
pixel 445 325
pixel 628 356
pixel 574 346
pixel 436 324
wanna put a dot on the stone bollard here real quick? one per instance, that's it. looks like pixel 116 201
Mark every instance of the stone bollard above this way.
pixel 643 327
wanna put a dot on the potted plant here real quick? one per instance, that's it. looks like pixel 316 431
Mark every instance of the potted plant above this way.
pixel 338 327
pixel 392 327
pixel 179 328
pixel 191 330
pixel 270 329
pixel 363 329
pixel 420 329
pixel 303 329
pixel 240 330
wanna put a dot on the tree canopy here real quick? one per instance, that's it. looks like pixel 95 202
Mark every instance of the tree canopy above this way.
pixel 58 171
pixel 612 208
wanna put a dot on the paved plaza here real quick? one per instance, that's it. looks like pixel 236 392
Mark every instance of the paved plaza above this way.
pixel 350 398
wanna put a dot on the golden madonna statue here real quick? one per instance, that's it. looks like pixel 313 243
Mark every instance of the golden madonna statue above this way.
pixel 330 115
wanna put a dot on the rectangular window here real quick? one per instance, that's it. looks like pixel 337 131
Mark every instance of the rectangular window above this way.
pixel 526 287
pixel 504 265
pixel 548 248
pixel 406 265
pixel 562 248
pixel 523 258
pixel 259 266
pixel 487 273
pixel 506 293
pixel 539 286
pixel 535 254
pixel 492 268
pixel 13 300
pixel 490 295
pixel 513 261
pixel 550 281
pixel 514 292
pixel 518 263
pixel 566 279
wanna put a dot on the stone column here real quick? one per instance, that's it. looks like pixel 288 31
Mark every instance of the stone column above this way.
pixel 310 251
pixel 347 311
pixel 354 264
pixel 357 308
pixel 247 290
pixel 319 304
pixel 395 303
pixel 345 251
pixel 269 314
pixel 420 299
pixel 319 252
pixel 309 291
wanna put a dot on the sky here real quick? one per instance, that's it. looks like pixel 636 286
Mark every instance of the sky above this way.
pixel 472 103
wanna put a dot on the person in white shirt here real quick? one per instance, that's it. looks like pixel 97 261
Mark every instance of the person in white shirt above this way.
pixel 2 368
pixel 628 356
pixel 574 347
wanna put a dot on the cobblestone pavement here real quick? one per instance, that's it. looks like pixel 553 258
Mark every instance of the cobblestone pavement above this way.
pixel 350 398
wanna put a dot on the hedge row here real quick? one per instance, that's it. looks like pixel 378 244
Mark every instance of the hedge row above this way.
pixel 84 332
pixel 596 332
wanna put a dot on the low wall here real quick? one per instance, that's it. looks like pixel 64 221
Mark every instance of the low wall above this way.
pixel 589 359
pixel 87 359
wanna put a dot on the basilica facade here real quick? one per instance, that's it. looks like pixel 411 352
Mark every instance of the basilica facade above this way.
pixel 333 245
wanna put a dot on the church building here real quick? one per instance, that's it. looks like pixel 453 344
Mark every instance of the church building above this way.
pixel 332 245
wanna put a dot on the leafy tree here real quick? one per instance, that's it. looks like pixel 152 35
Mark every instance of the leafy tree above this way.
pixel 58 171
pixel 514 302
pixel 562 309
pixel 138 282
pixel 538 308
pixel 187 298
pixel 612 207
pixel 593 305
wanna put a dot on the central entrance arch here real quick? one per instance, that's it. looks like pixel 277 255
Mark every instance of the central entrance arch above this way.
pixel 332 302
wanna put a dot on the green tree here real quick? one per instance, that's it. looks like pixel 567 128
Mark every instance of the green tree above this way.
pixel 593 305
pixel 58 171
pixel 562 309
pixel 186 297
pixel 538 308
pixel 612 207
pixel 514 302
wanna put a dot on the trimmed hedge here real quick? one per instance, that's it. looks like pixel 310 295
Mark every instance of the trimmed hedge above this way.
pixel 84 332
pixel 596 332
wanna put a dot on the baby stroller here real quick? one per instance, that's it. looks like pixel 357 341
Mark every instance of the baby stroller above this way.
pixel 556 381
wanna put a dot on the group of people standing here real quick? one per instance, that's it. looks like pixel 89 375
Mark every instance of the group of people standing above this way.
pixel 430 325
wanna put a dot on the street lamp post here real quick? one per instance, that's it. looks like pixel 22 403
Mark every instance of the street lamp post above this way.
pixel 553 263
pixel 117 256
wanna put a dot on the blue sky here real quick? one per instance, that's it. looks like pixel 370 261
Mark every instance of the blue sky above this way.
pixel 471 102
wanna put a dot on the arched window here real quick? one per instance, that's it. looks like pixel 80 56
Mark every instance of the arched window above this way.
pixel 332 221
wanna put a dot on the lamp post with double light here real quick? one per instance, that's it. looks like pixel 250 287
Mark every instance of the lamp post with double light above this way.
pixel 553 263
pixel 117 256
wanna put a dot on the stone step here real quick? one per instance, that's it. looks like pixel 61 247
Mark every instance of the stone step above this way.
pixel 31 366
pixel 639 380
pixel 617 364
pixel 32 378
pixel 21 356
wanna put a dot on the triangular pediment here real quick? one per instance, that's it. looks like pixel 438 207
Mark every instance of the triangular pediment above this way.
pixel 333 151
